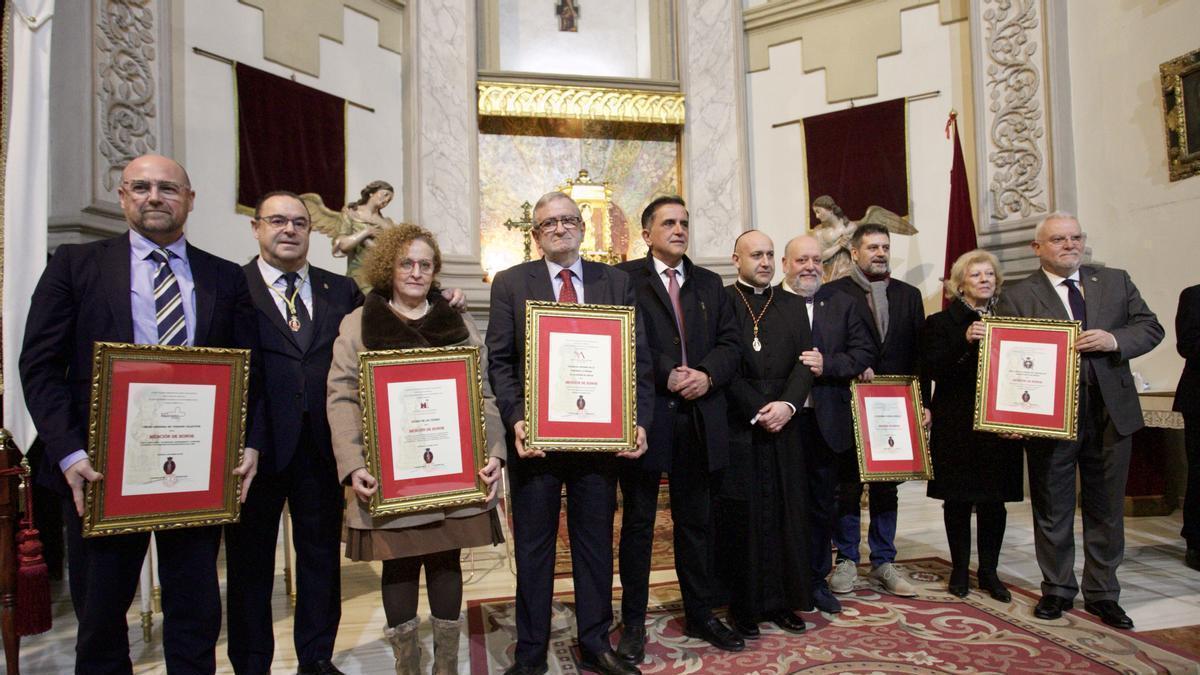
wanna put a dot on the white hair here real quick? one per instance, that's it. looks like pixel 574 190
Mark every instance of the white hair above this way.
pixel 1056 215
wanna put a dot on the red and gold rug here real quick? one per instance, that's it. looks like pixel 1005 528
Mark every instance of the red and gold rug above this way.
pixel 876 633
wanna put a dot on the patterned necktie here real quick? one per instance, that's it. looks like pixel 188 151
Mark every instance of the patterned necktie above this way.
pixel 304 335
pixel 168 302
pixel 567 292
pixel 673 291
pixel 1075 300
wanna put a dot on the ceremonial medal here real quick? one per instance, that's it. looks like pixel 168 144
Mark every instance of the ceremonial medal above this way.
pixel 757 345
pixel 294 323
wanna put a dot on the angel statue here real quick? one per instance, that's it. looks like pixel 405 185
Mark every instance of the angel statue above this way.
pixel 353 229
pixel 835 230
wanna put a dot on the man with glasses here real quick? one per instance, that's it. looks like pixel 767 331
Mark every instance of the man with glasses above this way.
pixel 1117 326
pixel 536 479
pixel 147 286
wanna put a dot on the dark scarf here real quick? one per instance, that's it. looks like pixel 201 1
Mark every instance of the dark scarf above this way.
pixel 382 328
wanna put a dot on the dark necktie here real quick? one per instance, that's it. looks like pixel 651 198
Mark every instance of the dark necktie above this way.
pixel 168 302
pixel 1075 300
pixel 304 334
pixel 567 292
pixel 673 291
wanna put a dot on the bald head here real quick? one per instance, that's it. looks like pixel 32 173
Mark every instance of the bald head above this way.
pixel 802 265
pixel 754 256
pixel 156 196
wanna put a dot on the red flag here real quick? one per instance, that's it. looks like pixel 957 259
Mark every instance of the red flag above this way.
pixel 960 226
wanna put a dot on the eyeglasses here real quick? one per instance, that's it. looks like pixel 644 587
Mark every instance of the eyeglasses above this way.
pixel 406 265
pixel 1060 239
pixel 279 222
pixel 568 222
pixel 166 189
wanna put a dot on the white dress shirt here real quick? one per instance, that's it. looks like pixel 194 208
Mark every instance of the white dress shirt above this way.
pixel 273 278
pixel 576 277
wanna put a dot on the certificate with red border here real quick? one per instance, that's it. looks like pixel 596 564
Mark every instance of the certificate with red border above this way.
pixel 889 429
pixel 167 428
pixel 580 379
pixel 423 427
pixel 1028 378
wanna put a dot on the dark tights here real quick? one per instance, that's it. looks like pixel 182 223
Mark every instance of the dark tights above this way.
pixel 443 580
pixel 991 518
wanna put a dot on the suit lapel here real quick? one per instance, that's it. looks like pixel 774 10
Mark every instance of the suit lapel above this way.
pixel 117 287
pixel 660 291
pixel 540 287
pixel 1045 294
pixel 260 293
pixel 204 278
pixel 595 284
pixel 320 294
pixel 1093 294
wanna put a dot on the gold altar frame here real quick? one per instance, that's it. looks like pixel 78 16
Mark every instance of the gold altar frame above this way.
pixel 1180 78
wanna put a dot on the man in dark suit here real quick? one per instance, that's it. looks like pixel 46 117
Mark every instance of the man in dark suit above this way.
pixel 895 315
pixel 842 350
pixel 298 309
pixel 107 291
pixel 1187 402
pixel 536 479
pixel 693 343
pixel 1117 326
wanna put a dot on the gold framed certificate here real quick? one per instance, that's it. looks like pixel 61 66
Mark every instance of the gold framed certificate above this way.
pixel 423 427
pixel 167 429
pixel 889 429
pixel 1028 378
pixel 580 377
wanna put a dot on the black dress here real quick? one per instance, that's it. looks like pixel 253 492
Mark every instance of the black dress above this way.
pixel 969 466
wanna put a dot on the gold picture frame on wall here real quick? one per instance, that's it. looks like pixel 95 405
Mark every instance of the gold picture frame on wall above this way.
pixel 1181 109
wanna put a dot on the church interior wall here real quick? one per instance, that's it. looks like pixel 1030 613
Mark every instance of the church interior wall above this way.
pixel 611 40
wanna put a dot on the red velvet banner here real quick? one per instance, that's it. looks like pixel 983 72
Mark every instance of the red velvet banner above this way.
pixel 290 137
pixel 859 157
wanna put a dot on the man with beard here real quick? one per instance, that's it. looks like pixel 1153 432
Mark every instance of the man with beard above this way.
pixel 896 317
pixel 762 509
pixel 842 350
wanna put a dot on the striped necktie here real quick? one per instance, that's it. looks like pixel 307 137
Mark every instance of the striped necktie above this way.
pixel 168 302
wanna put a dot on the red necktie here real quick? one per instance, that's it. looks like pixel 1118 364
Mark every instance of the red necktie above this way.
pixel 673 291
pixel 567 292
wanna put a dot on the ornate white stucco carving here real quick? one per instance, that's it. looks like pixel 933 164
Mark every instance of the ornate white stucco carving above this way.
pixel 126 84
pixel 1014 109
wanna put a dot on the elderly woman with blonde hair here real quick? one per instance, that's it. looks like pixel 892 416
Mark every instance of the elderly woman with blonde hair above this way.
pixel 972 470
pixel 404 310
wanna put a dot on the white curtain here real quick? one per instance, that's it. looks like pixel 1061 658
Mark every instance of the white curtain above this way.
pixel 26 199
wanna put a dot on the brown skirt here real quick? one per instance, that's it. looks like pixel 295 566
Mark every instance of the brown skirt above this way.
pixel 447 534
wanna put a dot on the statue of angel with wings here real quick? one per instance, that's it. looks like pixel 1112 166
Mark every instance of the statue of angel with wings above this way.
pixel 353 229
pixel 835 230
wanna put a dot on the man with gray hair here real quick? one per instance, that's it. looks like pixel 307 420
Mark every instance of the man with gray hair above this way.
pixel 1117 326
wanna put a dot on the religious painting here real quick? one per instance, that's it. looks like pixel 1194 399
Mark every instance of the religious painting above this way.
pixel 1181 107
pixel 568 16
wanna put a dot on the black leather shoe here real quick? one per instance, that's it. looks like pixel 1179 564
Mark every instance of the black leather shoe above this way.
pixel 995 588
pixel 1051 607
pixel 716 633
pixel 824 600
pixel 960 582
pixel 1110 613
pixel 607 663
pixel 787 621
pixel 1192 558
pixel 746 628
pixel 632 647
pixel 319 668
pixel 518 669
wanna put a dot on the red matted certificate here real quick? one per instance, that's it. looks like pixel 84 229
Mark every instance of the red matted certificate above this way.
pixel 423 427
pixel 580 384
pixel 1028 378
pixel 889 429
pixel 167 429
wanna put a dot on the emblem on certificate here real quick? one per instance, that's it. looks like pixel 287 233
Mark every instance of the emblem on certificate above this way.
pixel 167 429
pixel 580 377
pixel 1028 378
pixel 889 429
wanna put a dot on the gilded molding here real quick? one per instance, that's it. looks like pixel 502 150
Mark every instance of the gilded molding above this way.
pixel 125 83
pixel 1183 153
pixel 504 99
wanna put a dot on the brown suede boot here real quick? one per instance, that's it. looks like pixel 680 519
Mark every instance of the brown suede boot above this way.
pixel 445 646
pixel 406 646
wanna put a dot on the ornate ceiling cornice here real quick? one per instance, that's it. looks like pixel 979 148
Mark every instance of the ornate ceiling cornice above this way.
pixel 551 101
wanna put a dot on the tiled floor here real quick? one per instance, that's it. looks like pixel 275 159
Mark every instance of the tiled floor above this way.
pixel 1158 591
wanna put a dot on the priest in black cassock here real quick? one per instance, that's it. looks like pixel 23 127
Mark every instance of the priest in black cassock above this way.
pixel 761 504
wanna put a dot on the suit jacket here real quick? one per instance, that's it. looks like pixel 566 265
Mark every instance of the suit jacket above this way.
pixel 712 346
pixel 1113 304
pixel 294 379
pixel 602 285
pixel 841 333
pixel 897 355
pixel 82 298
pixel 1187 336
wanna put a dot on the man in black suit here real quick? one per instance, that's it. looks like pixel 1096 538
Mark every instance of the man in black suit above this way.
pixel 298 309
pixel 842 350
pixel 1187 402
pixel 693 343
pixel 536 479
pixel 895 316
pixel 107 291
pixel 1117 326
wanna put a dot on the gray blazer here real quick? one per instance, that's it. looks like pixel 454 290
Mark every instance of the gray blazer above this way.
pixel 1113 304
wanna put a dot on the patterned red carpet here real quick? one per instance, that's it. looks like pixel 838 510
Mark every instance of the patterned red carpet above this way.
pixel 877 633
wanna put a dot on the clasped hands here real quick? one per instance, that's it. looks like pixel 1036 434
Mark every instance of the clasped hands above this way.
pixel 689 383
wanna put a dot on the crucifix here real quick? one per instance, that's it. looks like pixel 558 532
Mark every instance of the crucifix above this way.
pixel 524 225
pixel 568 16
